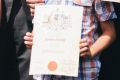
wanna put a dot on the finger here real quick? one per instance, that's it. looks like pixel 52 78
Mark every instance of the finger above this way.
pixel 41 3
pixel 83 40
pixel 31 6
pixel 26 38
pixel 29 34
pixel 35 1
pixel 83 45
pixel 84 54
pixel 28 43
pixel 85 49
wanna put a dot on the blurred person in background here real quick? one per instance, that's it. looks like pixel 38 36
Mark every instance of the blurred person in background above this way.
pixel 15 57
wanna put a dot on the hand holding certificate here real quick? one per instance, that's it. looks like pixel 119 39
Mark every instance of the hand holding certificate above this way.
pixel 57 31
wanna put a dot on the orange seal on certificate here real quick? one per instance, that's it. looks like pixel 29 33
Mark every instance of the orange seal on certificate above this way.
pixel 52 66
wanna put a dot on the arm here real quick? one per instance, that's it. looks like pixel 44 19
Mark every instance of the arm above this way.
pixel 107 37
pixel 104 14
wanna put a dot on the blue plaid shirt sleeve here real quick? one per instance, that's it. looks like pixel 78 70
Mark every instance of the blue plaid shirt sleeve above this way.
pixel 104 10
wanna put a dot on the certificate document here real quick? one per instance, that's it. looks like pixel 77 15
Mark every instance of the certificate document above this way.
pixel 112 0
pixel 57 32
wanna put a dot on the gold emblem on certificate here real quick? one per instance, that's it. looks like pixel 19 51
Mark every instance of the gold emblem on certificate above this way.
pixel 57 31
pixel 58 19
